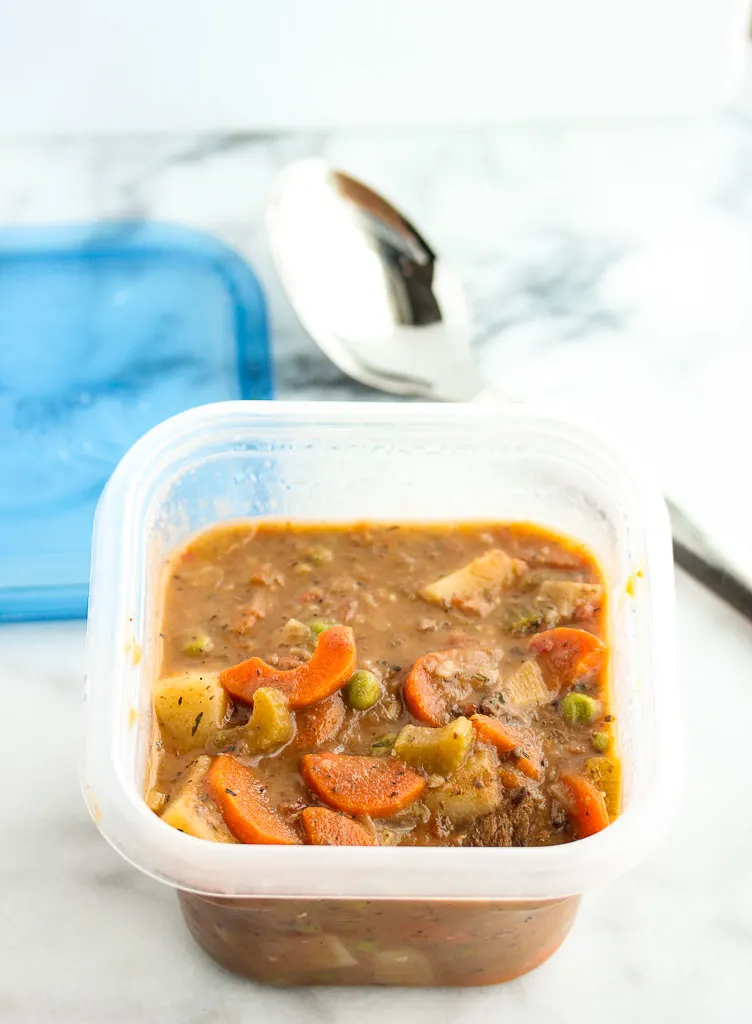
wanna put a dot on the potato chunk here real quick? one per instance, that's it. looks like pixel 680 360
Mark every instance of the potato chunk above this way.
pixel 473 790
pixel 271 724
pixel 189 707
pixel 477 587
pixel 438 751
pixel 566 597
pixel 296 634
pixel 191 810
pixel 526 687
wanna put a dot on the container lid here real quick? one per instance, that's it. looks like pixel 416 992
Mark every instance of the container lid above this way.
pixel 105 331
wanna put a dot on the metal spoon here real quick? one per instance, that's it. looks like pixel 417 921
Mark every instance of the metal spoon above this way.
pixel 378 301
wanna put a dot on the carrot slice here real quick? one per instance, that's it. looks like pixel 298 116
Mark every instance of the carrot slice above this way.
pixel 379 786
pixel 319 724
pixel 329 828
pixel 588 811
pixel 441 681
pixel 423 697
pixel 507 740
pixel 569 654
pixel 240 795
pixel 510 777
pixel 332 664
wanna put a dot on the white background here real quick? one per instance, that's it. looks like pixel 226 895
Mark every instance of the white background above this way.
pixel 203 65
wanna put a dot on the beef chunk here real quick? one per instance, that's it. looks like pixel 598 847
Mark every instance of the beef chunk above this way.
pixel 494 829
pixel 523 819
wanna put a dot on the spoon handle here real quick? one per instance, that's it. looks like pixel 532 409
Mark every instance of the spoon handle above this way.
pixel 695 552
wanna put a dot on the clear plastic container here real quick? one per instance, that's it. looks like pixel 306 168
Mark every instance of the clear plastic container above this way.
pixel 341 915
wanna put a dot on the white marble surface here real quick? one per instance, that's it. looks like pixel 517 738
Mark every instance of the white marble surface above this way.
pixel 629 248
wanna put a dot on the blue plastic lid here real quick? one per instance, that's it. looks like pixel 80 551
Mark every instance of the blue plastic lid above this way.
pixel 105 330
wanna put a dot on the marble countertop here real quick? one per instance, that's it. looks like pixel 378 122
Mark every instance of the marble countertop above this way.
pixel 628 247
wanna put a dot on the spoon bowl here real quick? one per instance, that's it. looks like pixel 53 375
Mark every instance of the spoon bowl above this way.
pixel 368 287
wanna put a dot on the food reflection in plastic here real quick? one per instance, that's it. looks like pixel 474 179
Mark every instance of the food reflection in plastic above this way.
pixel 378 942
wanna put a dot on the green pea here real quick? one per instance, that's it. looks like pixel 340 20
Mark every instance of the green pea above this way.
pixel 320 626
pixel 579 709
pixel 362 690
pixel 601 742
pixel 319 554
pixel 197 644
pixel 383 744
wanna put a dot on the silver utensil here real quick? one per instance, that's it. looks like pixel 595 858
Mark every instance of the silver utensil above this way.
pixel 376 298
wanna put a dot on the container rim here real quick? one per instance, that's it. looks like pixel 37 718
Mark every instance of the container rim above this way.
pixel 225 870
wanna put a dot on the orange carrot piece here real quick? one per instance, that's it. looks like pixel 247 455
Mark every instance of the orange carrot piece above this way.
pixel 319 724
pixel 240 795
pixel 589 812
pixel 423 695
pixel 332 664
pixel 569 654
pixel 379 786
pixel 432 697
pixel 330 828
pixel 510 777
pixel 506 739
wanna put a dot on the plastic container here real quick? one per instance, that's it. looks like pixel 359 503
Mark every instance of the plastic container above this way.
pixel 431 916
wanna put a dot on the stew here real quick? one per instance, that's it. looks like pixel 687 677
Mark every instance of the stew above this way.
pixel 378 942
pixel 384 684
